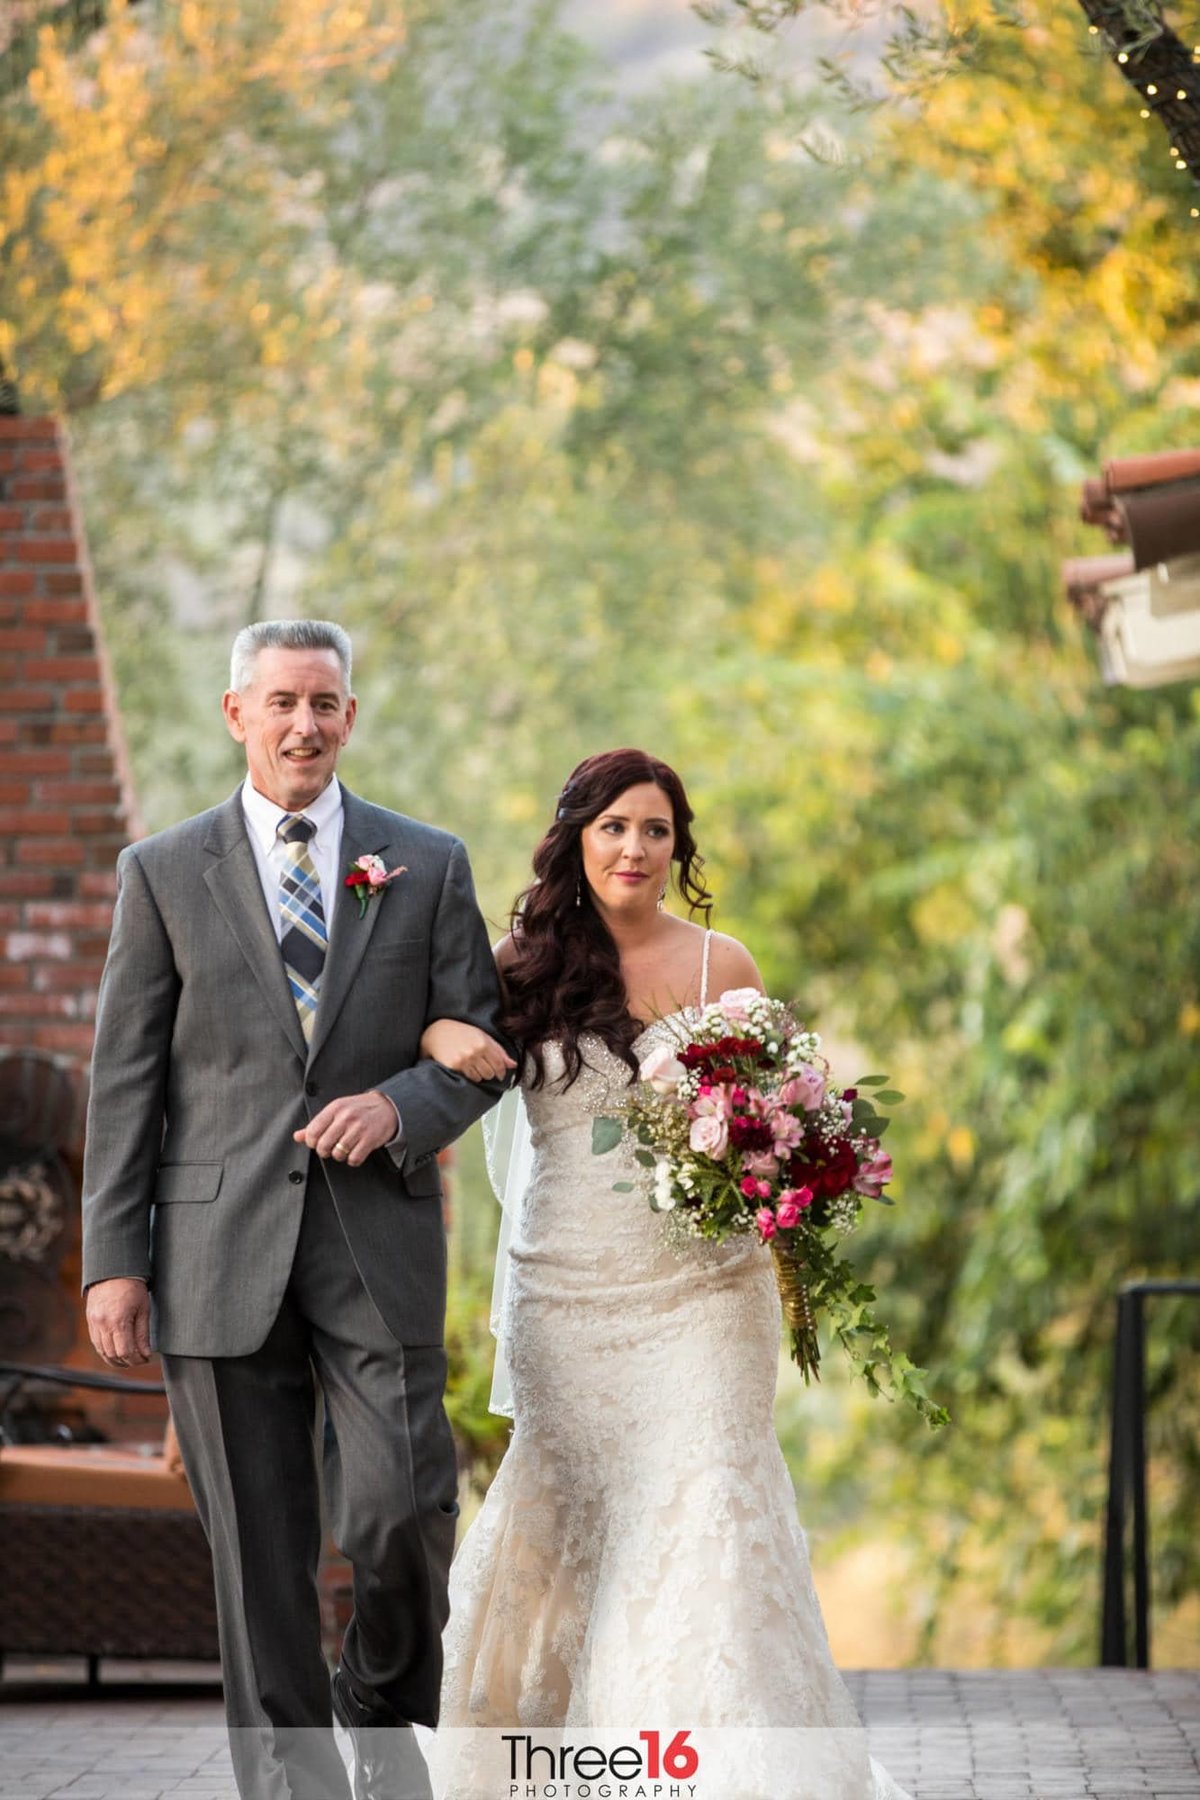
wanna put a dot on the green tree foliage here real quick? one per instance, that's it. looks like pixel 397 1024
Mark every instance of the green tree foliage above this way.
pixel 993 867
pixel 610 422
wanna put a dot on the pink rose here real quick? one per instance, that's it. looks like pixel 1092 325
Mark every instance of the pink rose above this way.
pixel 791 1204
pixel 764 1218
pixel 760 1162
pixel 734 1003
pixel 662 1069
pixel 874 1174
pixel 709 1136
pixel 806 1089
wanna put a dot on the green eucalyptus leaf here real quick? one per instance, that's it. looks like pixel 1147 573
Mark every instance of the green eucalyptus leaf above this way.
pixel 606 1135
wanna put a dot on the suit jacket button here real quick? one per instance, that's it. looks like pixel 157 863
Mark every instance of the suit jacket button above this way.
pixel 310 1087
pixel 295 1175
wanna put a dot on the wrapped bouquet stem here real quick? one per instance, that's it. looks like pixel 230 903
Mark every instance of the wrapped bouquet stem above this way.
pixel 797 1307
pixel 737 1126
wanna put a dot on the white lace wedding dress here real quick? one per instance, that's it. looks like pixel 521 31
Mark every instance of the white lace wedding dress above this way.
pixel 637 1560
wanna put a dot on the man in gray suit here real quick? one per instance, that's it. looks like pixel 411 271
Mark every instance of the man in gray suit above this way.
pixel 262 1204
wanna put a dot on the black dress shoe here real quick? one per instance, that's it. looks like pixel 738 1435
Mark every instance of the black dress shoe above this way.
pixel 388 1764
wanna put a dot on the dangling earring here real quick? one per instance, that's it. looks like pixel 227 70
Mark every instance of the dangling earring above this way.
pixel 662 897
pixel 579 890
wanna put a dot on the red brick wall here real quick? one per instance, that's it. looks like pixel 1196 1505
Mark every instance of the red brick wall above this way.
pixel 66 805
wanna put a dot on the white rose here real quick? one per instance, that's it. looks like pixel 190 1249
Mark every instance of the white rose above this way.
pixel 662 1069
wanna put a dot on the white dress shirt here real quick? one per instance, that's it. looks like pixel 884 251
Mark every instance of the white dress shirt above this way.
pixel 263 818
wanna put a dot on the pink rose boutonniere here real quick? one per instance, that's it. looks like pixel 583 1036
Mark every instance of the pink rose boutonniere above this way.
pixel 368 876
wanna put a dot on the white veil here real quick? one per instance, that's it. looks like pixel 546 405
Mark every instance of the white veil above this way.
pixel 509 1148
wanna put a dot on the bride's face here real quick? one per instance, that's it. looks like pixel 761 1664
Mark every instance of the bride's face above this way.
pixel 627 849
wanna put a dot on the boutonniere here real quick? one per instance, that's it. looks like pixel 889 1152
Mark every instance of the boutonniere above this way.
pixel 368 876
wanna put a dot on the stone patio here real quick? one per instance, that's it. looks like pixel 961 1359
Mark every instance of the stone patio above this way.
pixel 1035 1734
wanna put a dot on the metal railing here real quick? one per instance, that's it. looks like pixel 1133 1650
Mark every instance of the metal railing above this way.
pixel 1127 1480
pixel 16 1377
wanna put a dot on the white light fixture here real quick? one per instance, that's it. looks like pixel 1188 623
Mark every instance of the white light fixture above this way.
pixel 1137 648
pixel 1175 587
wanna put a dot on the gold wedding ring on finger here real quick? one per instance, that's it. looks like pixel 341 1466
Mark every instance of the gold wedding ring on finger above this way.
pixel 343 1146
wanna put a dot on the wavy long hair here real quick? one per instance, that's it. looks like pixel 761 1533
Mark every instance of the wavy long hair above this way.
pixel 565 976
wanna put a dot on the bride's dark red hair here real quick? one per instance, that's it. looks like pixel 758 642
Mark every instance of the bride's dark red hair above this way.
pixel 565 976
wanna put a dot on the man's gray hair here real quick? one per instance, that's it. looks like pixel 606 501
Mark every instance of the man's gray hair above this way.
pixel 286 634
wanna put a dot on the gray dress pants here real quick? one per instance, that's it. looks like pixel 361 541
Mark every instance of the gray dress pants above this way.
pixel 247 1428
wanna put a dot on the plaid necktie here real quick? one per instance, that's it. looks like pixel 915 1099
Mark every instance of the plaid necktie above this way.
pixel 304 936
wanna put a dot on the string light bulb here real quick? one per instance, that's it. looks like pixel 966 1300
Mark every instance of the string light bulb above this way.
pixel 1181 94
pixel 1181 165
pixel 1152 89
pixel 1145 112
pixel 1123 57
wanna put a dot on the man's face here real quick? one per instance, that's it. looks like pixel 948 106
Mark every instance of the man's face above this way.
pixel 293 717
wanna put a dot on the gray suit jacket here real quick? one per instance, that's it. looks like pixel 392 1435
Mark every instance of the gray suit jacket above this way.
pixel 201 1074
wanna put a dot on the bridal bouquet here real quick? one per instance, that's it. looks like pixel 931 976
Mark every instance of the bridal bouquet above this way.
pixel 738 1127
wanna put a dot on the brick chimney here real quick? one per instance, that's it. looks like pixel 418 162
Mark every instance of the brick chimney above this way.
pixel 66 809
pixel 66 805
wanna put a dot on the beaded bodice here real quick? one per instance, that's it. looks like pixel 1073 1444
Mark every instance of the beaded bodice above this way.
pixel 573 1217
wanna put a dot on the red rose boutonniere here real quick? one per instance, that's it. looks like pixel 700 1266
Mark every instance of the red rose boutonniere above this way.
pixel 368 876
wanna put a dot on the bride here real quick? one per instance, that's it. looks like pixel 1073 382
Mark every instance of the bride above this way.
pixel 637 1561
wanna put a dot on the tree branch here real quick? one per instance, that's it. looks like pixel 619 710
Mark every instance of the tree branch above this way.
pixel 1158 65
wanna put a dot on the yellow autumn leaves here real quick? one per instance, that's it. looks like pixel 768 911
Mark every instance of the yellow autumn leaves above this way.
pixel 131 181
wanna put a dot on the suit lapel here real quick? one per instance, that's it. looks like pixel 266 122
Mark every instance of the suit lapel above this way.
pixel 363 833
pixel 232 880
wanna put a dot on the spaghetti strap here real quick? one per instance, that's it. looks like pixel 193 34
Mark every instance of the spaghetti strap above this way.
pixel 704 968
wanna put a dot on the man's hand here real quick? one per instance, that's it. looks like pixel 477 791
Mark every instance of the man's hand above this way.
pixel 118 1319
pixel 348 1130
